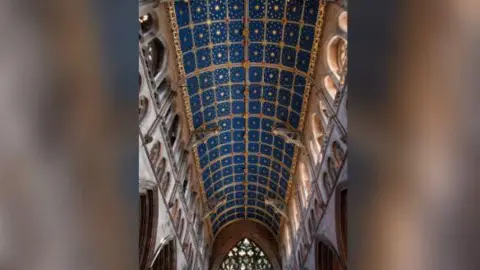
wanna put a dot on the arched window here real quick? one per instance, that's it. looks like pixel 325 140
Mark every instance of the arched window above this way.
pixel 148 225
pixel 142 107
pixel 166 259
pixel 327 183
pixel 173 130
pixel 343 21
pixel 146 23
pixel 246 255
pixel 332 168
pixel 337 55
pixel 155 56
pixel 341 215
pixel 338 153
pixel 327 259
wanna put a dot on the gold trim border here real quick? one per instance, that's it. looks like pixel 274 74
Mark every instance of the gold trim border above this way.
pixel 308 86
pixel 186 98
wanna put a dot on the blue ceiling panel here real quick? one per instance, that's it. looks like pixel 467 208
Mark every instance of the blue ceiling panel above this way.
pixel 245 71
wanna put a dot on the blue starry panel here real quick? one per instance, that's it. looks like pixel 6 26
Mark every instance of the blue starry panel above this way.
pixel 246 68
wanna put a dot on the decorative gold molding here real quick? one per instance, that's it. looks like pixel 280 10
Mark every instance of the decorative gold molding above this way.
pixel 311 71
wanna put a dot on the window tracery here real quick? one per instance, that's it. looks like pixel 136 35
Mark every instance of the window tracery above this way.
pixel 246 255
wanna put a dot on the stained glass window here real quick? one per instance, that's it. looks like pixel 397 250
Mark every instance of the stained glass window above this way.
pixel 246 255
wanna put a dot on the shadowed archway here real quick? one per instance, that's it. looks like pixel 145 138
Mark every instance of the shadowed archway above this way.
pixel 232 234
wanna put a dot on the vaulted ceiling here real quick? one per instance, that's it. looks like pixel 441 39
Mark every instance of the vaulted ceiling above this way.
pixel 246 64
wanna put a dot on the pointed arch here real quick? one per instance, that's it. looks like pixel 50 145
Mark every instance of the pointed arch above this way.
pixel 326 256
pixel 336 55
pixel 148 222
pixel 246 253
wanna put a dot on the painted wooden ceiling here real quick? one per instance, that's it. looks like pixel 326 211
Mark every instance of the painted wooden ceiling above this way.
pixel 246 64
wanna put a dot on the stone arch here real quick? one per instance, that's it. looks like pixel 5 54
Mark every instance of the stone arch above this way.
pixel 230 235
pixel 341 206
pixel 166 258
pixel 148 222
pixel 305 180
pixel 336 55
pixel 326 257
